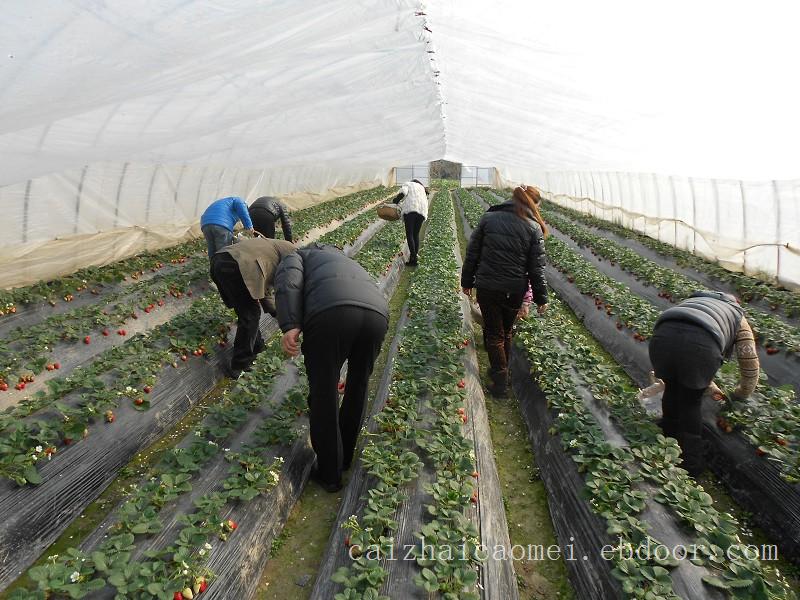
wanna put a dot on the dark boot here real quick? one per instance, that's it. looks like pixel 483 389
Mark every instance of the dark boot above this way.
pixel 693 451
pixel 499 387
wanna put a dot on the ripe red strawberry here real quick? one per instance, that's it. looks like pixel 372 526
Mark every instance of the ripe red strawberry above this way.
pixel 3 387
pixel 67 441
pixel 347 541
pixel 147 309
pixel 147 389
pixel 772 350
pixel 184 358
pixel 20 386
pixel 781 441
pixel 760 452
pixel 177 596
pixel 461 384
pixel 474 497
pixel 161 302
pixel 232 524
pixel 189 293
pixel 49 367
pixel 461 410
pixel 138 401
pixel 57 365
pixel 340 387
pixel 203 586
pixel 87 340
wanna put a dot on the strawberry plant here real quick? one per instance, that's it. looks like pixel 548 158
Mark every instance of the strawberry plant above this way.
pixel 306 219
pixel 94 278
pixel 770 419
pixel 747 287
pixel 349 232
pixel 672 285
pixel 651 458
pixel 420 413
pixel 473 210
pixel 378 253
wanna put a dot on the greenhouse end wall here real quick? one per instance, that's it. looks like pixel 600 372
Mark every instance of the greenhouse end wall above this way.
pixel 745 226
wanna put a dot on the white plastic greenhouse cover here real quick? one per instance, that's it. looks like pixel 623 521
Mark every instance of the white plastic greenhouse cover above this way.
pixel 120 121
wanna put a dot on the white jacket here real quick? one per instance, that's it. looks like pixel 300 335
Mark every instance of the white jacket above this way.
pixel 414 199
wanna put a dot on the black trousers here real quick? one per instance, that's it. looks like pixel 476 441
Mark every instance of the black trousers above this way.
pixel 413 222
pixel 686 357
pixel 263 222
pixel 248 342
pixel 340 333
pixel 499 311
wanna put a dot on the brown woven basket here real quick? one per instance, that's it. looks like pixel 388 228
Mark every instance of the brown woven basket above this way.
pixel 389 212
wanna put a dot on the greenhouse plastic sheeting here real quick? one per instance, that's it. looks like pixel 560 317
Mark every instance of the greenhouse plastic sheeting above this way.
pixel 118 115
pixel 747 226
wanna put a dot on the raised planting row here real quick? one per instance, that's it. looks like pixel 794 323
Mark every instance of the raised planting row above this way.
pixel 772 332
pixel 763 478
pixel 306 219
pixel 747 287
pixel 416 479
pixel 473 210
pixel 120 371
pixel 347 234
pixel 29 350
pixel 663 534
pixel 116 558
pixel 93 279
pixel 238 566
pixel 86 472
pixel 123 373
pixel 771 418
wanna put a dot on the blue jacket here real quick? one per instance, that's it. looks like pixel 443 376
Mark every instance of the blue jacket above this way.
pixel 226 212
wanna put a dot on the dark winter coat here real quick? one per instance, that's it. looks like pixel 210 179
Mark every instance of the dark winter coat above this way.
pixel 716 312
pixel 318 277
pixel 265 211
pixel 505 253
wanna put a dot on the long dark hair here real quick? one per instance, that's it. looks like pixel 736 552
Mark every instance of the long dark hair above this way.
pixel 526 205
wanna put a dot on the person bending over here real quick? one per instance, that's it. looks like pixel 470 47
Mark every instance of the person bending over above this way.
pixel 244 273
pixel 689 343
pixel 220 218
pixel 342 316
pixel 265 212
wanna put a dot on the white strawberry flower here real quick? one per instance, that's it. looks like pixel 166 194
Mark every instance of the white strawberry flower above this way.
pixel 74 577
pixel 38 448
pixel 207 546
pixel 34 457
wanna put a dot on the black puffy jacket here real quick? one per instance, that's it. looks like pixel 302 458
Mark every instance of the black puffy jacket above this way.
pixel 505 253
pixel 318 277
pixel 265 211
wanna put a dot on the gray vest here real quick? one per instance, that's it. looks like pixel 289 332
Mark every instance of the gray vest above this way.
pixel 716 312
